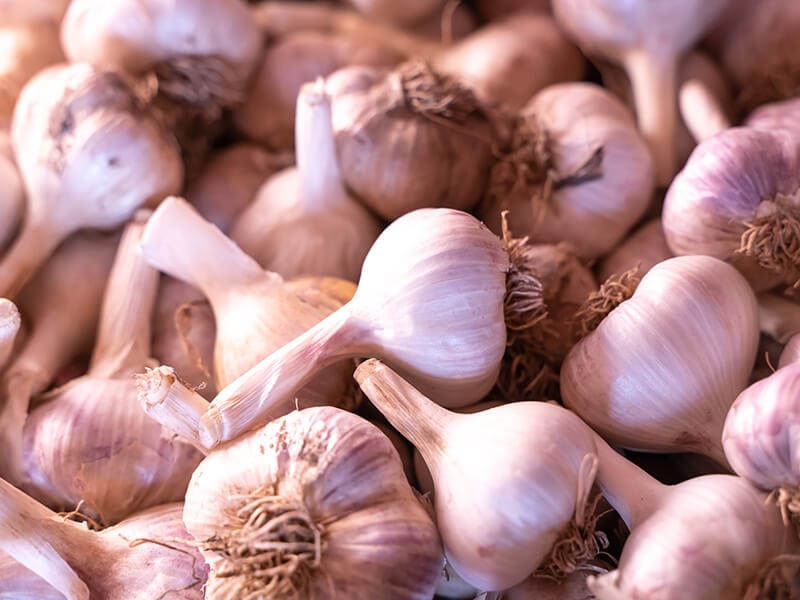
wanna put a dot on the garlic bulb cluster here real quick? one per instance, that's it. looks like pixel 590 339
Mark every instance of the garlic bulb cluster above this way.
pixel 759 439
pixel 409 138
pixel 736 199
pixel 91 443
pixel 477 458
pixel 303 220
pixel 648 40
pixel 313 505
pixel 256 312
pixel 10 323
pixel 638 381
pixel 71 121
pixel 431 305
pixel 267 115
pixel 641 250
pixel 708 537
pixel 574 161
pixel 58 333
pixel 147 556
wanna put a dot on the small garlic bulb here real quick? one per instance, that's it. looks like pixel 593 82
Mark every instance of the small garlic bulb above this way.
pixel 642 250
pixel 759 437
pixel 89 157
pixel 313 505
pixel 506 452
pixel 791 352
pixel 661 370
pixel 737 199
pixel 409 138
pixel 303 220
pixel 575 170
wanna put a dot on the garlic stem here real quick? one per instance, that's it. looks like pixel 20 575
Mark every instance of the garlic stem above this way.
pixel 171 403
pixel 180 243
pixel 321 180
pixel 778 317
pixel 266 391
pixel 654 82
pixel 36 241
pixel 10 323
pixel 631 491
pixel 409 411
pixel 123 337
pixel 25 535
pixel 701 110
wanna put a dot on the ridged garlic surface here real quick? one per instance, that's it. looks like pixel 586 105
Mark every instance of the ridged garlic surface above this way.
pixel 318 503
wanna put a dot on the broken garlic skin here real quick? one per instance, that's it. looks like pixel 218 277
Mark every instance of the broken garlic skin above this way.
pixel 377 541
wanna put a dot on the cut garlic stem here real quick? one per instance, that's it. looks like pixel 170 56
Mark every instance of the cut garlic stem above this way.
pixel 701 110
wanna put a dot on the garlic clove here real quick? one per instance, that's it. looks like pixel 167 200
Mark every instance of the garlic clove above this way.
pixel 735 200
pixel 492 546
pixel 335 482
pixel 409 138
pixel 10 323
pixel 643 249
pixel 661 370
pixel 562 175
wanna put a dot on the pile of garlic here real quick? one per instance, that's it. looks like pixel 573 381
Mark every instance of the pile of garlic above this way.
pixel 401 300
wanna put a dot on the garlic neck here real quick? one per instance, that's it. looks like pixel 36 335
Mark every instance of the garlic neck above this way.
pixel 416 417
pixel 631 491
pixel 320 177
pixel 123 338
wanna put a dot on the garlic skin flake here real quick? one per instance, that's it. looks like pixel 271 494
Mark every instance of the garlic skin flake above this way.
pixel 662 369
pixel 320 496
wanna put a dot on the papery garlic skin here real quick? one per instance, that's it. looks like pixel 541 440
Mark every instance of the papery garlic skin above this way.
pixel 727 182
pixel 645 248
pixel 395 159
pixel 760 435
pixel 707 540
pixel 791 352
pixel 661 370
pixel 17 582
pixel 577 121
pixel 346 482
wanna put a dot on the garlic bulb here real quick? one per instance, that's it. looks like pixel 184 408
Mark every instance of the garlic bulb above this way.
pixel 255 311
pixel 791 352
pixel 647 39
pixel 201 51
pixel 759 439
pixel 708 537
pixel 25 49
pixel 318 503
pixel 228 182
pixel 147 556
pixel 12 202
pixel 511 59
pixel 184 332
pixel 268 113
pixel 10 323
pixel 662 369
pixel 303 221
pixel 736 199
pixel 409 138
pixel 429 304
pixel 475 459
pixel 91 443
pixel 642 250
pixel 574 170
pixel 783 115
pixel 59 332
pixel 70 121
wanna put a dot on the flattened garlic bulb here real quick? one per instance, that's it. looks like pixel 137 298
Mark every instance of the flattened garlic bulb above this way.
pixel 314 505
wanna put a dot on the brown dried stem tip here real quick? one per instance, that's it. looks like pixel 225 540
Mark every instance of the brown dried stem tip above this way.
pixel 787 499
pixel 433 94
pixel 613 292
pixel 773 237
pixel 271 552
pixel 779 579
